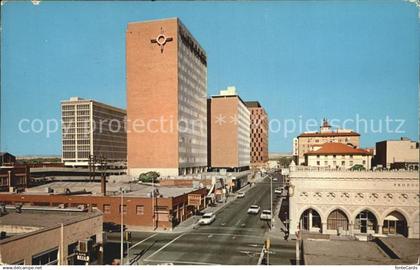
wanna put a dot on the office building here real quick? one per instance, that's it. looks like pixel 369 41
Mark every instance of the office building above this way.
pixel 166 99
pixel 311 141
pixel 259 134
pixel 229 131
pixel 397 154
pixel 91 128
pixel 339 156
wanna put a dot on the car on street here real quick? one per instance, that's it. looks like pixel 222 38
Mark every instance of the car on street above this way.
pixel 265 215
pixel 241 194
pixel 112 227
pixel 278 191
pixel 254 209
pixel 275 179
pixel 207 218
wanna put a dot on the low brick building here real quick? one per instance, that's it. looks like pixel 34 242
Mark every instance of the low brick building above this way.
pixel 14 178
pixel 170 204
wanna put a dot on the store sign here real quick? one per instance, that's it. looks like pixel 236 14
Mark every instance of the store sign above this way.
pixel 82 257
pixel 194 199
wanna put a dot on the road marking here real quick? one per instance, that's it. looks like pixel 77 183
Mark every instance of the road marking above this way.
pixel 165 246
pixel 180 262
pixel 144 240
pixel 227 234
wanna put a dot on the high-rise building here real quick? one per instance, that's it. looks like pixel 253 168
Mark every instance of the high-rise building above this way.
pixel 312 141
pixel 91 128
pixel 229 131
pixel 397 154
pixel 259 134
pixel 166 99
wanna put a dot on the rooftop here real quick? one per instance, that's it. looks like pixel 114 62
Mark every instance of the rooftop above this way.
pixel 337 133
pixel 339 149
pixel 113 189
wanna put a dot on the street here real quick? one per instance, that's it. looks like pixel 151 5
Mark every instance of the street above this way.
pixel 234 238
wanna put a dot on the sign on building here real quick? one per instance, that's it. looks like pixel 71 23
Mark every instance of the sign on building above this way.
pixel 194 199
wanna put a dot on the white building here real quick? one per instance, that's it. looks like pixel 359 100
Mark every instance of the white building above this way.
pixel 348 202
pixel 338 155
pixel 91 128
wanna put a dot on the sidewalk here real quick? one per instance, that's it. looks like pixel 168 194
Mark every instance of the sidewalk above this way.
pixel 190 223
pixel 279 229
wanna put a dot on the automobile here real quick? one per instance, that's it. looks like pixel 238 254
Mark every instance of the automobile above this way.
pixel 240 194
pixel 265 215
pixel 207 218
pixel 254 209
pixel 275 179
pixel 278 191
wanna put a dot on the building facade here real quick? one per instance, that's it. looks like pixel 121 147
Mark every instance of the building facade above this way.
pixel 49 236
pixel 346 202
pixel 397 154
pixel 339 156
pixel 14 178
pixel 166 99
pixel 259 134
pixel 91 128
pixel 229 131
pixel 7 158
pixel 311 141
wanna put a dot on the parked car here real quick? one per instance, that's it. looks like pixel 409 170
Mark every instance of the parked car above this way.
pixel 278 191
pixel 275 179
pixel 254 209
pixel 265 215
pixel 207 218
pixel 241 194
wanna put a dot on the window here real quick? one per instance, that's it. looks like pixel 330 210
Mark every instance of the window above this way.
pixel 351 163
pixel 318 163
pixel 46 258
pixel 364 162
pixel 325 163
pixel 140 210
pixel 124 209
pixel 107 209
pixel 343 163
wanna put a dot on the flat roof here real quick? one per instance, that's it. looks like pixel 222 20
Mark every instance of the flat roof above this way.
pixel 35 220
pixel 113 189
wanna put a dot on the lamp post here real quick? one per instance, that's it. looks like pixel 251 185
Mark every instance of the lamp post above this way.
pixel 122 226
pixel 271 202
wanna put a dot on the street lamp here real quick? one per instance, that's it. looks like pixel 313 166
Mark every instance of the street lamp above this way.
pixel 271 202
pixel 122 226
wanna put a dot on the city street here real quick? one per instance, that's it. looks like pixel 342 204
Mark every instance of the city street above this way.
pixel 234 238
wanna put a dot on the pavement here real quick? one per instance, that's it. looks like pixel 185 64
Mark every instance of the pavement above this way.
pixel 234 238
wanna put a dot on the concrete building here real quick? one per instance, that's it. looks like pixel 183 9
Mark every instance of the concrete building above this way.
pixel 259 135
pixel 345 202
pixel 166 99
pixel 50 236
pixel 311 141
pixel 339 156
pixel 142 210
pixel 229 132
pixel 396 154
pixel 91 128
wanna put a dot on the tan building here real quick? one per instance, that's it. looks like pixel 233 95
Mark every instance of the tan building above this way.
pixel 166 99
pixel 397 154
pixel 229 131
pixel 338 155
pixel 346 202
pixel 259 134
pixel 50 236
pixel 91 128
pixel 311 141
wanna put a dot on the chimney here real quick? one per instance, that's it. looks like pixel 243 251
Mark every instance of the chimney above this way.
pixel 103 184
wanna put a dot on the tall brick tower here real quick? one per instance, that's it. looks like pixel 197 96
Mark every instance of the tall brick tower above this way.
pixel 166 99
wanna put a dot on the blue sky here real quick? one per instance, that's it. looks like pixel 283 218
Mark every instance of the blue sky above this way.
pixel 301 60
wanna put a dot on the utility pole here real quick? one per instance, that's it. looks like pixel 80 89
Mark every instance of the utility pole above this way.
pixel 122 226
pixel 271 203
pixel 153 203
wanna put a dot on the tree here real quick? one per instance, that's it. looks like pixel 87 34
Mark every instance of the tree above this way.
pixel 358 167
pixel 149 177
pixel 285 161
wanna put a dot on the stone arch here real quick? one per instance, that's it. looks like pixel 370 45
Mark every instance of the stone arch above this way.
pixel 345 210
pixel 369 222
pixel 396 209
pixel 395 222
pixel 374 212
pixel 311 219
pixel 338 217
pixel 320 212
pixel 415 225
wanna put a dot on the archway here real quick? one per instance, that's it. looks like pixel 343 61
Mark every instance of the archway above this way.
pixel 337 219
pixel 310 220
pixel 395 223
pixel 366 222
